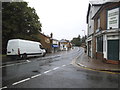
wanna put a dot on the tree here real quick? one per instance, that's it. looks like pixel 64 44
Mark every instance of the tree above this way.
pixel 84 39
pixel 19 21
pixel 76 41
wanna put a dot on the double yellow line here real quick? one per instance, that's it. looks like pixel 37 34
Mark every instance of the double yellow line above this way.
pixel 97 70
pixel 87 68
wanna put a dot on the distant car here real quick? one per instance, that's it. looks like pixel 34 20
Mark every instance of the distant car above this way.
pixel 24 48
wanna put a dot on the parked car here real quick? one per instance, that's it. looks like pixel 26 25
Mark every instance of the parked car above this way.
pixel 24 48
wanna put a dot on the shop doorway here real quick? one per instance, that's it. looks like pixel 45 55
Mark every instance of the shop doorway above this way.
pixel 113 49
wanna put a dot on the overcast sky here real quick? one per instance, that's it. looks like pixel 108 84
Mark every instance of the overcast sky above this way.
pixel 64 18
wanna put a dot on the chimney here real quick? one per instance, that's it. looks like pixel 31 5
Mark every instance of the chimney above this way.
pixel 51 35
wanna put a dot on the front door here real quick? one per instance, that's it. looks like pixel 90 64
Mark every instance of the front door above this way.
pixel 113 50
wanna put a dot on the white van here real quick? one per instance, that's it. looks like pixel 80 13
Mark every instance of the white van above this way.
pixel 24 48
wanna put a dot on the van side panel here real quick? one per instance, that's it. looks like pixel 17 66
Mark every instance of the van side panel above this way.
pixel 28 47
pixel 12 47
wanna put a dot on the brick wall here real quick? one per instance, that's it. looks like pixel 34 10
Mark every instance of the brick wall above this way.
pixel 46 42
pixel 103 15
pixel 99 55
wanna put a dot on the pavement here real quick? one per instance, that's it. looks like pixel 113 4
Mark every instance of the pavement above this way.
pixel 95 64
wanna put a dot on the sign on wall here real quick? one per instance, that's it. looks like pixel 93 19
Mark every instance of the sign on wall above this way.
pixel 47 40
pixel 55 42
pixel 113 18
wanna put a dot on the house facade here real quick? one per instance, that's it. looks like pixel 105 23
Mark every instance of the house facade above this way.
pixel 106 34
pixel 65 44
pixel 90 31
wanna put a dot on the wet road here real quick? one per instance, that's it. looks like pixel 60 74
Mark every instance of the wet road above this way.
pixel 55 71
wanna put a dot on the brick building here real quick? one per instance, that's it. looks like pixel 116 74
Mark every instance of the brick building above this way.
pixel 104 44
pixel 46 41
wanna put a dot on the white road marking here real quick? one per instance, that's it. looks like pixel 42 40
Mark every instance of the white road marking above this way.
pixel 55 68
pixel 14 64
pixel 3 87
pixel 28 60
pixel 47 71
pixel 7 65
pixel 21 81
pixel 33 77
pixel 63 65
pixel 36 75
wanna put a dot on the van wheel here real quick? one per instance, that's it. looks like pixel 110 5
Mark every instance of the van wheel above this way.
pixel 24 56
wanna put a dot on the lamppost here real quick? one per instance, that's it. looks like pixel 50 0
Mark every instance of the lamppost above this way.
pixel 84 32
pixel 85 50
